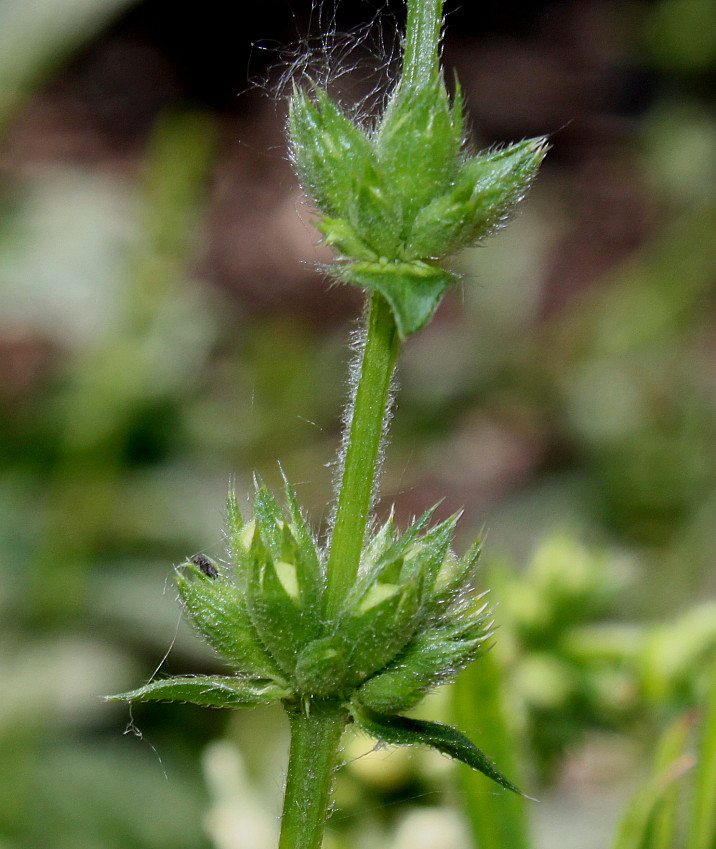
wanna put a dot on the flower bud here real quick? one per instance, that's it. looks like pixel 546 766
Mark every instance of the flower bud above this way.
pixel 217 609
pixel 483 196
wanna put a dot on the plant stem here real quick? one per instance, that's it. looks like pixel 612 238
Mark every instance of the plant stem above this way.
pixel 362 444
pixel 316 734
pixel 421 57
pixel 315 738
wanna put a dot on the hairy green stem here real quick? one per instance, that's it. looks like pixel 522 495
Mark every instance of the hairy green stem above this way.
pixel 369 409
pixel 362 445
pixel 316 733
pixel 315 737
pixel 421 55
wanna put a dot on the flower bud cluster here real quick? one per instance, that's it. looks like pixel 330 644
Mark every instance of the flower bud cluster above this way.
pixel 396 199
pixel 411 621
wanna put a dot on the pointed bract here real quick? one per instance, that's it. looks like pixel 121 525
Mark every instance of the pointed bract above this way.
pixel 377 633
pixel 208 690
pixel 418 145
pixel 311 580
pixel 402 731
pixel 431 658
pixel 330 152
pixel 484 196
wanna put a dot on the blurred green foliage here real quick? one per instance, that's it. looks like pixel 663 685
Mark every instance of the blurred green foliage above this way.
pixel 131 391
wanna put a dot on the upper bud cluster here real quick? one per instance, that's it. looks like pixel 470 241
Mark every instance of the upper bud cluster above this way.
pixel 397 198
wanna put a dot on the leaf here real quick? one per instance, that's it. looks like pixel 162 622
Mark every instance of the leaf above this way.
pixel 373 213
pixel 269 520
pixel 454 577
pixel 400 545
pixel 418 145
pixel 498 181
pixel 330 152
pixel 342 237
pixel 648 820
pixel 496 821
pixel 235 524
pixel 412 289
pixel 321 667
pixel 379 542
pixel 703 820
pixel 382 559
pixel 403 731
pixel 211 691
pixel 481 198
pixel 427 554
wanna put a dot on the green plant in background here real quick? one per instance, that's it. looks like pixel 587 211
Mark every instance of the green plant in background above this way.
pixel 115 382
pixel 617 386
pixel 362 628
pixel 574 669
pixel 654 817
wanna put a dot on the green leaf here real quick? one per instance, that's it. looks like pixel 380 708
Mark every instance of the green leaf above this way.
pixel 269 520
pixel 321 668
pixel 374 214
pixel 403 731
pixel 400 545
pixel 479 700
pixel 457 112
pixel 342 237
pixel 427 554
pixel 649 818
pixel 703 821
pixel 217 609
pixel 337 165
pixel 498 181
pixel 235 524
pixel 483 196
pixel 382 558
pixel 209 690
pixel 412 289
pixel 379 542
pixel 454 576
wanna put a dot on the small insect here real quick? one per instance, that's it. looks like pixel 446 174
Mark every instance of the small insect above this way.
pixel 206 565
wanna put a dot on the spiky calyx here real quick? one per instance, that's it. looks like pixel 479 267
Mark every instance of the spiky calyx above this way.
pixel 396 200
pixel 411 621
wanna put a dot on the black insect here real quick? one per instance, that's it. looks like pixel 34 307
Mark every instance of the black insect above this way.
pixel 206 565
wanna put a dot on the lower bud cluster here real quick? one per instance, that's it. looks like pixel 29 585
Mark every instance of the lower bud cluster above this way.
pixel 412 620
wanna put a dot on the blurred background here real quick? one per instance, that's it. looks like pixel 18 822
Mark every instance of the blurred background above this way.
pixel 164 331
